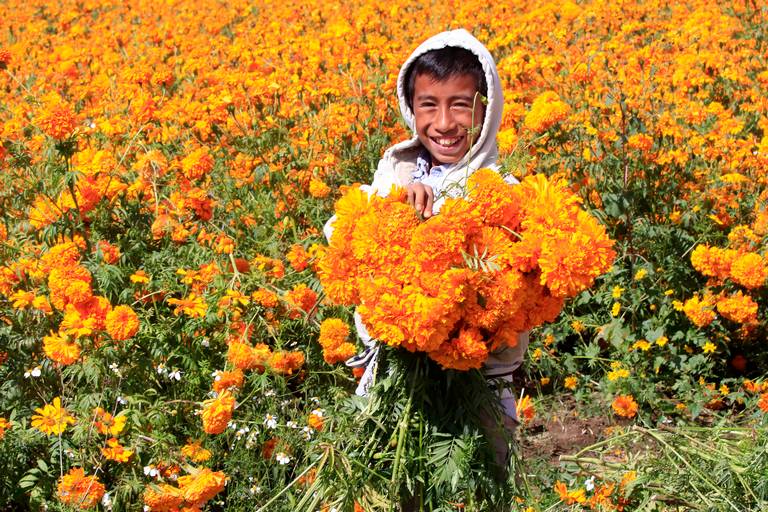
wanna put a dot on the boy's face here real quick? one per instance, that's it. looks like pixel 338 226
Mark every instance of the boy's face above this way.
pixel 444 112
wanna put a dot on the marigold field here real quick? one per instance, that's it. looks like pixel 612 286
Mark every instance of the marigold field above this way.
pixel 167 168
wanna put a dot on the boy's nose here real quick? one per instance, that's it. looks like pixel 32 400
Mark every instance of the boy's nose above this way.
pixel 444 120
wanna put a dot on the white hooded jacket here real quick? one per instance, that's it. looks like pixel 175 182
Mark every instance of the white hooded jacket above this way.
pixel 396 167
pixel 399 161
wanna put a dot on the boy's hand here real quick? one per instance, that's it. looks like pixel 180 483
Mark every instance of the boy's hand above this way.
pixel 421 197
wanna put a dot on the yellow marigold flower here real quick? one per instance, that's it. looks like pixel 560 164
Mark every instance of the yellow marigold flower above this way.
pixel 122 323
pixel 107 424
pixel 571 382
pixel 617 291
pixel 217 412
pixel 577 326
pixel 709 347
pixel 618 373
pixel 625 406
pixel 79 490
pixel 202 485
pixel 197 163
pixel 193 306
pixel 642 345
pixel 536 355
pixel 76 325
pixel 525 409
pixel 60 349
pixel 640 274
pixel 662 340
pixel 41 303
pixel 21 299
pixel 52 419
pixel 616 309
pixel 194 452
pixel 116 452
pixel 724 390
pixel 139 277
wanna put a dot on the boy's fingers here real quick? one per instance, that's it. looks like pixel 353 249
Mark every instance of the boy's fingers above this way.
pixel 430 200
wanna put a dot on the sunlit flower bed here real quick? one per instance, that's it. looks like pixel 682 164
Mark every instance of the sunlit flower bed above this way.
pixel 165 340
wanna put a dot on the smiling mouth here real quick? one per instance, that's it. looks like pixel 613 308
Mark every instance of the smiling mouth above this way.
pixel 446 142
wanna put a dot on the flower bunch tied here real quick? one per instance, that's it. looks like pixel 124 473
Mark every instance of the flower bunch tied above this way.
pixel 494 263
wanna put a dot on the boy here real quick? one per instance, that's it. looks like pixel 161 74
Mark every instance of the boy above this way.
pixel 450 96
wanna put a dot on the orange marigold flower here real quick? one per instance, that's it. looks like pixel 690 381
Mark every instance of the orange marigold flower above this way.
pixel 52 419
pixel 228 380
pixel 109 253
pixel 245 357
pixel 60 349
pixel 5 425
pixel 738 308
pixel 749 270
pixel 163 498
pixel 217 412
pixel 285 363
pixel 763 402
pixel 301 297
pixel 266 298
pixel 107 424
pixel 194 452
pixel 298 258
pixel 58 121
pixel 5 58
pixel 699 311
pixel 79 490
pixel 122 323
pixel 115 451
pixel 71 285
pixel 547 110
pixel 201 485
pixel 625 406
pixel 713 261
pixel 570 497
pixel 318 189
pixel 316 420
pixel 333 339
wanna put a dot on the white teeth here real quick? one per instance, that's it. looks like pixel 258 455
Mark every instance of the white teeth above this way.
pixel 447 142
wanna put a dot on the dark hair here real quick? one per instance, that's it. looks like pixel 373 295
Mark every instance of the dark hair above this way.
pixel 442 64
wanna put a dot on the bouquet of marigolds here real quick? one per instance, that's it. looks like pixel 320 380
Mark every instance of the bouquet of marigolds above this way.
pixel 494 263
